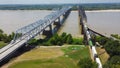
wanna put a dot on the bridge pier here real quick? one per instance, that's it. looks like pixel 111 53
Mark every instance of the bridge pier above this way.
pixel 85 40
pixel 82 29
pixel 57 22
pixel 64 15
pixel 49 32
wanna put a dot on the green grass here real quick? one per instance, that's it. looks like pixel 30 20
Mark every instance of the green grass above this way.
pixel 2 44
pixel 76 52
pixel 69 60
pixel 61 62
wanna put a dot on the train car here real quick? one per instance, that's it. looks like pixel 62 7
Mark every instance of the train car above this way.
pixel 98 62
pixel 90 43
pixel 88 35
pixel 94 52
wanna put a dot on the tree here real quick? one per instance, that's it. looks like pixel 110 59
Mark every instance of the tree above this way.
pixel 63 34
pixel 1 36
pixel 11 36
pixel 115 35
pixel 53 41
pixel 87 63
pixel 69 39
pixel 1 31
pixel 59 43
pixel 64 37
pixel 5 38
pixel 101 40
pixel 32 41
pixel 115 60
pixel 113 47
pixel 109 65
pixel 56 40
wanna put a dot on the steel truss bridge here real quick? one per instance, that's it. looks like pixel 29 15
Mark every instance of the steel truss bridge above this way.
pixel 24 34
pixel 87 35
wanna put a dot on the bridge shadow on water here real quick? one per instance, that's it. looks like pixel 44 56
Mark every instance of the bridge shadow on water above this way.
pixel 25 48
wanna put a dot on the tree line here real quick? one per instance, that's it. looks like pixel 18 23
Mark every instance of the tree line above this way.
pixel 56 39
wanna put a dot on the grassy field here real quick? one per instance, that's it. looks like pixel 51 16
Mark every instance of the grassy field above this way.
pixel 2 44
pixel 52 57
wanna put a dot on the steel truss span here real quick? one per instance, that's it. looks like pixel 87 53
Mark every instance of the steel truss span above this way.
pixel 24 34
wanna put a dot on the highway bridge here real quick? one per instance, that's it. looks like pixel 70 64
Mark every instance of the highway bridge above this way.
pixel 24 34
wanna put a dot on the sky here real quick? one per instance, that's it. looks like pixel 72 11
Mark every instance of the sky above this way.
pixel 55 1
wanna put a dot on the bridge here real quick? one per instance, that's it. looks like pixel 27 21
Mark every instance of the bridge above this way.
pixel 87 35
pixel 101 34
pixel 24 34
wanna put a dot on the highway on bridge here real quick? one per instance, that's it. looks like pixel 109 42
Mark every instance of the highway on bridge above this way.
pixel 23 35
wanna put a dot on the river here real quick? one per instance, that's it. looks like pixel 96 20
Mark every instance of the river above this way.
pixel 106 22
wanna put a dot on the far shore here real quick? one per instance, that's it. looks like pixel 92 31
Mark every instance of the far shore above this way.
pixel 106 10
pixel 109 10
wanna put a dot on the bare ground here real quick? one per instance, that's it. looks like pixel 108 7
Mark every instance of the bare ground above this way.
pixel 104 56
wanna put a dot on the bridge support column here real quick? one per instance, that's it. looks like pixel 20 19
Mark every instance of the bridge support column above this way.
pixel 65 15
pixel 82 29
pixel 57 22
pixel 49 32
pixel 81 21
pixel 85 40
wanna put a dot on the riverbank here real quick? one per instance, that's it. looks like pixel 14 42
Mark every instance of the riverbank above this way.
pixel 104 21
pixel 109 10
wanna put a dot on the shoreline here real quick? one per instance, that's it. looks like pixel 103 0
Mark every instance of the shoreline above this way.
pixel 106 10
pixel 109 10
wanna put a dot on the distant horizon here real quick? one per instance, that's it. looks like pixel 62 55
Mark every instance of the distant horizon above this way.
pixel 59 3
pixel 56 1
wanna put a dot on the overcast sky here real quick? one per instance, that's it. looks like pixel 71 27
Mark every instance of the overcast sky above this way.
pixel 55 1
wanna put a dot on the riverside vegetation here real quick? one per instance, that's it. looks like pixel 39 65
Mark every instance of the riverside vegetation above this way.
pixel 64 38
pixel 75 55
pixel 111 46
pixel 5 39
pixel 113 49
